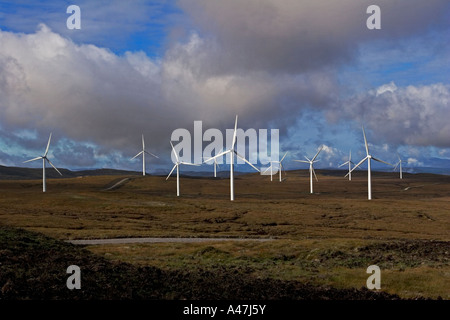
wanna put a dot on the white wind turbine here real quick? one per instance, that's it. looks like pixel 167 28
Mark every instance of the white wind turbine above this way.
pixel 349 162
pixel 280 166
pixel 177 165
pixel 143 152
pixel 399 163
pixel 368 157
pixel 44 158
pixel 232 152
pixel 311 169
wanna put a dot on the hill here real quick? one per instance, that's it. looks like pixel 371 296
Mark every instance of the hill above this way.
pixel 20 173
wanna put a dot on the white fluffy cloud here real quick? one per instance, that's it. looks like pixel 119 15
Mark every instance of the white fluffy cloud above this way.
pixel 88 93
pixel 412 115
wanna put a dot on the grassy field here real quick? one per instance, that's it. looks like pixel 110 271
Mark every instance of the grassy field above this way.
pixel 328 238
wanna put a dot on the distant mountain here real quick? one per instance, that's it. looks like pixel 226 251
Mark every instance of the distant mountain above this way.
pixel 444 171
pixel 207 174
pixel 20 173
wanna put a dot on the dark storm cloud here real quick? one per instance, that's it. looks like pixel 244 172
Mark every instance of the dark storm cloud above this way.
pixel 294 36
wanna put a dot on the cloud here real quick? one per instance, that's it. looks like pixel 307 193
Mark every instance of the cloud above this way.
pixel 293 36
pixel 84 91
pixel 268 61
pixel 390 87
pixel 411 115
pixel 412 162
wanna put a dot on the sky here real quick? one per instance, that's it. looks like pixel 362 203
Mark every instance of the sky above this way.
pixel 311 69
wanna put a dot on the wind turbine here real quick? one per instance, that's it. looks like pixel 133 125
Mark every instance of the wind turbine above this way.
pixel 399 163
pixel 311 169
pixel 216 165
pixel 44 158
pixel 280 166
pixel 368 157
pixel 349 162
pixel 143 152
pixel 177 165
pixel 232 152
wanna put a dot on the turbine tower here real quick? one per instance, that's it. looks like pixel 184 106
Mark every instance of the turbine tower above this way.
pixel 44 158
pixel 368 157
pixel 216 164
pixel 143 152
pixel 280 166
pixel 399 164
pixel 177 165
pixel 349 162
pixel 311 168
pixel 232 152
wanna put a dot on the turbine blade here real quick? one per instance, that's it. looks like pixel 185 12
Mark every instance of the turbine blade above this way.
pixel 53 166
pixel 149 153
pixel 283 157
pixel 358 164
pixel 143 144
pixel 37 158
pixel 307 159
pixel 48 144
pixel 395 167
pixel 234 133
pixel 365 141
pixel 267 169
pixel 317 153
pixel 207 160
pixel 137 155
pixel 343 164
pixel 189 164
pixel 172 171
pixel 173 149
pixel 218 155
pixel 302 161
pixel 314 174
pixel 382 161
pixel 247 161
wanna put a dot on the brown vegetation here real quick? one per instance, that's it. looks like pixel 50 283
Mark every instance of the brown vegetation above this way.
pixel 327 238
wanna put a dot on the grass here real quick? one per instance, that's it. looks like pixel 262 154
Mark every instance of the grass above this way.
pixel 404 266
pixel 327 238
pixel 33 267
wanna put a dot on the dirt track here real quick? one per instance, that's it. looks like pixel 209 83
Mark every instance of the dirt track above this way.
pixel 159 240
